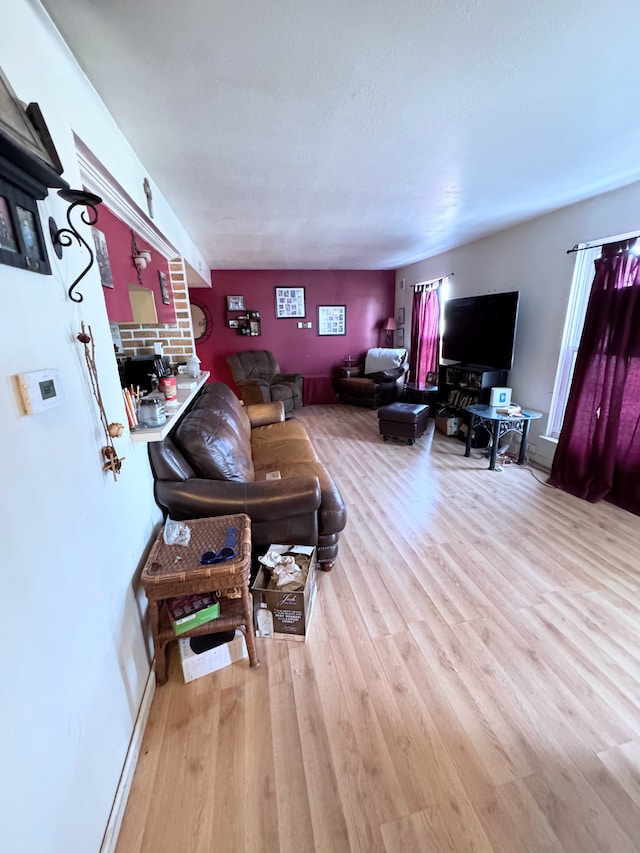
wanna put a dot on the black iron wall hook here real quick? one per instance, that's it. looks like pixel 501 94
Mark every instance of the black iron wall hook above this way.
pixel 64 237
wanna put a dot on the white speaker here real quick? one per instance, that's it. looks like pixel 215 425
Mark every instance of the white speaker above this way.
pixel 500 397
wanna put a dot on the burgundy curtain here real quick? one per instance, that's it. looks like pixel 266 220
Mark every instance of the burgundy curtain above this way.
pixel 424 334
pixel 598 454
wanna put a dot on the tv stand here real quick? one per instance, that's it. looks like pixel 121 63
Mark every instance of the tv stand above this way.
pixel 462 385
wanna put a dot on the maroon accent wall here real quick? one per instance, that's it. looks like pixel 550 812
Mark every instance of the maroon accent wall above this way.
pixel 118 237
pixel 368 295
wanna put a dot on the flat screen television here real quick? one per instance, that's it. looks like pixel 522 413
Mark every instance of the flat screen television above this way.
pixel 481 330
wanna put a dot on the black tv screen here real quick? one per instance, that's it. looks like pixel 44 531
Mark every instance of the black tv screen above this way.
pixel 481 330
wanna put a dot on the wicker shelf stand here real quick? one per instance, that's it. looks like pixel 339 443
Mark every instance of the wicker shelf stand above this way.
pixel 175 570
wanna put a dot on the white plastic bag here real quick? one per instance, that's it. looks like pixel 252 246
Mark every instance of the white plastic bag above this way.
pixel 176 532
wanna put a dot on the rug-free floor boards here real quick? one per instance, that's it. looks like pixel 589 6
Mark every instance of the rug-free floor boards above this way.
pixel 471 681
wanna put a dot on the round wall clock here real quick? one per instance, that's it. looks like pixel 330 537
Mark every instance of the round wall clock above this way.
pixel 201 321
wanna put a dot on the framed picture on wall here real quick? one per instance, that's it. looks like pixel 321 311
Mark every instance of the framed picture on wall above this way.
pixel 399 337
pixel 401 316
pixel 164 287
pixel 290 302
pixel 235 303
pixel 21 239
pixel 332 319
pixel 102 257
pixel 7 232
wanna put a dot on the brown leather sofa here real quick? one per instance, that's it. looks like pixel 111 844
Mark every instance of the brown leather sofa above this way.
pixel 259 380
pixel 380 379
pixel 216 462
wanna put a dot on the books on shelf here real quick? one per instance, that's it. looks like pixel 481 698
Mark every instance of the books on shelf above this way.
pixel 191 611
pixel 460 399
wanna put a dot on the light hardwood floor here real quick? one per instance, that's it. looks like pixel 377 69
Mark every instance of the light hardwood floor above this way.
pixel 471 681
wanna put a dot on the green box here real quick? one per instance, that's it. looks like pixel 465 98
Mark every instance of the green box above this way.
pixel 195 619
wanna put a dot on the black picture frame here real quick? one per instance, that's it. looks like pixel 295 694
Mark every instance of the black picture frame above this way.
pixel 22 230
pixel 164 287
pixel 290 303
pixel 102 258
pixel 235 303
pixel 332 320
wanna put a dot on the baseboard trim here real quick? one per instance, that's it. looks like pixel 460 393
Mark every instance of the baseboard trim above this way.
pixel 114 823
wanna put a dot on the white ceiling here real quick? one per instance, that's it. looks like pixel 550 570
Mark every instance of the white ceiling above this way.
pixel 311 134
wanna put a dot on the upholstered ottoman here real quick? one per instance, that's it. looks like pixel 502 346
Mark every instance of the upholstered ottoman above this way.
pixel 403 420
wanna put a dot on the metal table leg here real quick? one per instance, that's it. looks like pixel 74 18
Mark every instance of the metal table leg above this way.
pixel 523 441
pixel 467 449
pixel 494 445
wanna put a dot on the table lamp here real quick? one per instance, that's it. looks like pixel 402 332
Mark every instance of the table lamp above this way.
pixel 389 329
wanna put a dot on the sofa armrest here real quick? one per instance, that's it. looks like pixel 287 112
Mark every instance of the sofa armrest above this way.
pixel 262 500
pixel 261 414
pixel 287 377
pixel 390 375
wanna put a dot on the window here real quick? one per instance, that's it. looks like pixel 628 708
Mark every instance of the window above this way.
pixel 576 310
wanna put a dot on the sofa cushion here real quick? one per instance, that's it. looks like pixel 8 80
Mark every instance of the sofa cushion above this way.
pixel 257 364
pixel 332 513
pixel 290 429
pixel 281 442
pixel 221 398
pixel 269 456
pixel 215 445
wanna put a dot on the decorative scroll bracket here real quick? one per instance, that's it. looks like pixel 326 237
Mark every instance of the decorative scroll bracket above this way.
pixel 64 237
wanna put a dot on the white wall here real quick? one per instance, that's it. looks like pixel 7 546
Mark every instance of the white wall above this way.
pixel 75 659
pixel 531 258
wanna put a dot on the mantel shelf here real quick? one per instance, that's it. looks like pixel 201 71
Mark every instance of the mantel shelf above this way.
pixel 147 434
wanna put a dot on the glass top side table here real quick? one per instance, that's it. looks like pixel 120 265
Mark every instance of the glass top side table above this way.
pixel 499 424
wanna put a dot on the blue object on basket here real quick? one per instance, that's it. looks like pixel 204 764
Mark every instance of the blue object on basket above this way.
pixel 209 558
pixel 231 540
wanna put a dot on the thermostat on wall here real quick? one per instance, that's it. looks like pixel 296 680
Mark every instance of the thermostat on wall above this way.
pixel 40 389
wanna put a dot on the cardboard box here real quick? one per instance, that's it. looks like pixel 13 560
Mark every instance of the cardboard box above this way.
pixel 284 615
pixel 449 426
pixel 195 666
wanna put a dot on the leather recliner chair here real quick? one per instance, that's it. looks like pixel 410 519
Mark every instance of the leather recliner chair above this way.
pixel 259 380
pixel 379 380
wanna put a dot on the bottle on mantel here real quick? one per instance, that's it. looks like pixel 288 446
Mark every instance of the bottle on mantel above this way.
pixel 193 366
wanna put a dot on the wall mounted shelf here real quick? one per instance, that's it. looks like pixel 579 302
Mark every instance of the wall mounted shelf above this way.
pixel 245 322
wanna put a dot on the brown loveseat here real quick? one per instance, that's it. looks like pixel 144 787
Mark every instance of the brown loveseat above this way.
pixel 216 462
